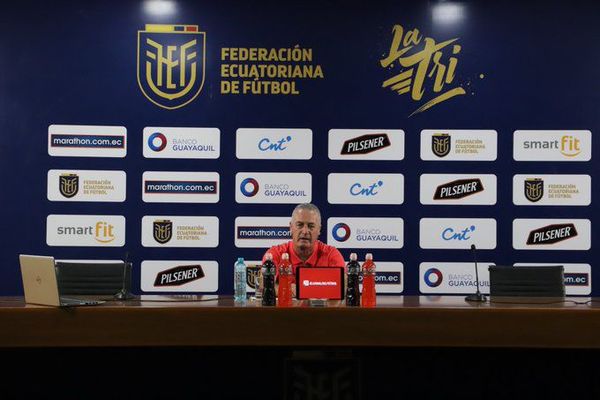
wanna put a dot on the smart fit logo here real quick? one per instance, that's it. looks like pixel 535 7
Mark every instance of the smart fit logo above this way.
pixel 570 146
pixel 104 232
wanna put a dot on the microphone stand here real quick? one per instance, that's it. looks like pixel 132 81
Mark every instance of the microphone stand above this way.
pixel 123 293
pixel 477 297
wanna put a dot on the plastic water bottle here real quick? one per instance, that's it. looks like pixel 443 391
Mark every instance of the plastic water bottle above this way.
pixel 353 290
pixel 284 294
pixel 239 281
pixel 368 298
pixel 268 273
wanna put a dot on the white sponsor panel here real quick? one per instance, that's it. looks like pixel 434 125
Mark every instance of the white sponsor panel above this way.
pixel 267 187
pixel 453 277
pixel 552 145
pixel 458 189
pixel 179 231
pixel 86 185
pixel 459 145
pixel 552 190
pixel 366 144
pixel 87 141
pixel 578 277
pixel 261 232
pixel 360 233
pixel 273 144
pixel 552 234
pixel 180 187
pixel 365 188
pixel 179 276
pixel 172 142
pixel 85 230
pixel 389 277
pixel 457 233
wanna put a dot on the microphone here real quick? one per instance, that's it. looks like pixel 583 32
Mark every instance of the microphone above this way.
pixel 477 296
pixel 124 294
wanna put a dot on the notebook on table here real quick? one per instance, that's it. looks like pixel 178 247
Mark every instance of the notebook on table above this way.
pixel 41 286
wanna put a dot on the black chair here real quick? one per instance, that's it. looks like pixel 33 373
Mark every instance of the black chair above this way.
pixel 93 279
pixel 527 281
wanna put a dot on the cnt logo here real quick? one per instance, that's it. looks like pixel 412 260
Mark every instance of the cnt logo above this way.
pixel 265 144
pixel 249 187
pixel 450 234
pixel 358 190
pixel 157 142
pixel 341 232
pixel 433 277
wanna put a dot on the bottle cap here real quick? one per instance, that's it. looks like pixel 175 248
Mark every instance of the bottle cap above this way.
pixel 353 257
pixel 240 259
pixel 269 257
pixel 285 256
pixel 369 256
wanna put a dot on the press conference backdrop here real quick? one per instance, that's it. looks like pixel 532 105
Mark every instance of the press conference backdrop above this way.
pixel 182 133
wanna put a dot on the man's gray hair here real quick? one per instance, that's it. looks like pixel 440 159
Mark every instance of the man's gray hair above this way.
pixel 308 207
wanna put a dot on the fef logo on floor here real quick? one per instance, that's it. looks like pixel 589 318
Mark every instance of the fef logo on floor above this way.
pixel 458 189
pixel 459 145
pixel 552 145
pixel 169 142
pixel 87 141
pixel 365 188
pixel 86 185
pixel 457 233
pixel 264 187
pixel 552 234
pixel 377 233
pixel 180 231
pixel 366 144
pixel 552 190
pixel 273 144
pixel 85 230
pixel 197 276
pixel 180 187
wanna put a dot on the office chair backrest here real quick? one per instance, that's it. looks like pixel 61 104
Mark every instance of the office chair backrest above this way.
pixel 93 278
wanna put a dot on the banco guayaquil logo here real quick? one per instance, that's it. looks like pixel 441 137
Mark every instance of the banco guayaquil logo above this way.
pixel 68 185
pixel 163 230
pixel 171 62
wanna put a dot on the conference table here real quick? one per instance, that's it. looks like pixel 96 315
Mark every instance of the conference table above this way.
pixel 396 321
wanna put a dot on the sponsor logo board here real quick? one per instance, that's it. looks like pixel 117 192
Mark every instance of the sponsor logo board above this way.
pixel 552 145
pixel 87 141
pixel 265 187
pixel 179 276
pixel 457 233
pixel 86 185
pixel 551 234
pixel 578 277
pixel 171 142
pixel 458 189
pixel 366 144
pixel 180 231
pixel 552 190
pixel 180 187
pixel 389 277
pixel 376 233
pixel 261 232
pixel 365 188
pixel 459 145
pixel 273 144
pixel 453 277
pixel 85 230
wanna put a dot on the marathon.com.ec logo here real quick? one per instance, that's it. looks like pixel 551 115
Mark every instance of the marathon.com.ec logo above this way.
pixel 170 64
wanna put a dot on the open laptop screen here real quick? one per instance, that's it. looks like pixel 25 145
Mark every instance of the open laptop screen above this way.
pixel 320 283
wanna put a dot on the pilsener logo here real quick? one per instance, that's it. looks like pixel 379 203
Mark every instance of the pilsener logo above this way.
pixel 458 189
pixel 366 144
pixel 249 187
pixel 433 277
pixel 341 232
pixel 179 275
pixel 551 234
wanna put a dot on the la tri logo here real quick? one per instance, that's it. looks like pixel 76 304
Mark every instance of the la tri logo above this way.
pixel 170 64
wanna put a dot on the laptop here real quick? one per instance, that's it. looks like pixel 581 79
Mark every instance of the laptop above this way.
pixel 41 286
pixel 320 283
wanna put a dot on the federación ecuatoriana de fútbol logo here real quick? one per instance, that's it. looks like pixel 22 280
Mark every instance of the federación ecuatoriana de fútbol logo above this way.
pixel 171 62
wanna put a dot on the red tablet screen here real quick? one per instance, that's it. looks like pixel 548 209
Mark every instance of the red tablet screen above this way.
pixel 320 282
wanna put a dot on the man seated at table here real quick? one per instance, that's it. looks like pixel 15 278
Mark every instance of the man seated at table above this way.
pixel 305 249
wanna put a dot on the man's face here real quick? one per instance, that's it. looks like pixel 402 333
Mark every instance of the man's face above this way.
pixel 305 228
